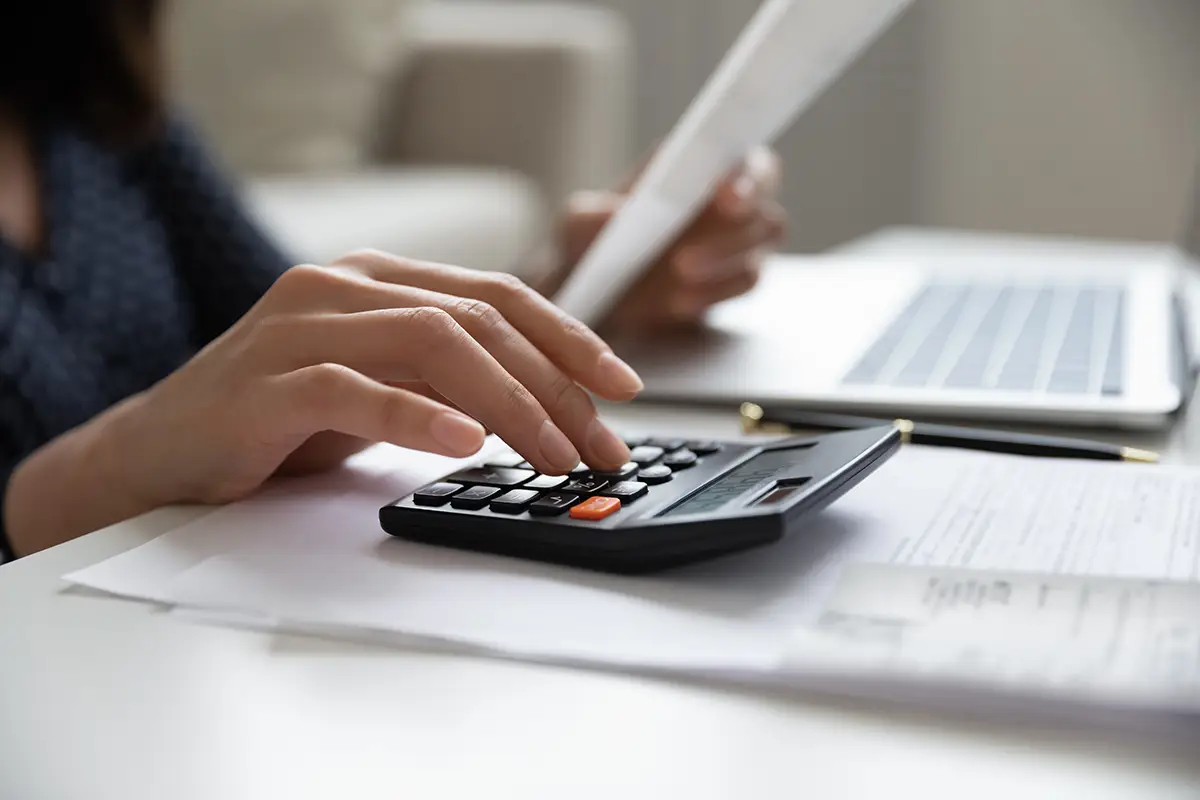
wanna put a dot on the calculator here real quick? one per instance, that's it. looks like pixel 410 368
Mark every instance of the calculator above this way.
pixel 676 502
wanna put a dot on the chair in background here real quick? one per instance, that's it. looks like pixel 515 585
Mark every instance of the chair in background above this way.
pixel 444 131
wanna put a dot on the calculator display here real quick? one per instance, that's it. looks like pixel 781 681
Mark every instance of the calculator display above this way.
pixel 737 482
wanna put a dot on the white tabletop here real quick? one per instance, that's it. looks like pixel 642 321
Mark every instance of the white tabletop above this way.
pixel 114 700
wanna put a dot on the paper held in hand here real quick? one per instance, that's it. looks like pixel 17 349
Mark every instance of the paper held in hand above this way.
pixel 786 58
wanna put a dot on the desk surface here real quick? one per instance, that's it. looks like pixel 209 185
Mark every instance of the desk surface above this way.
pixel 113 700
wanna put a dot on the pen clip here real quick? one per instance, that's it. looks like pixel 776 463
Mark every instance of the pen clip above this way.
pixel 752 421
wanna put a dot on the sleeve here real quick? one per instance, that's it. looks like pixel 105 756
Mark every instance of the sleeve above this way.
pixel 221 253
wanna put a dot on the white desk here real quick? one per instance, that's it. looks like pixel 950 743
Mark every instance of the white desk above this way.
pixel 111 700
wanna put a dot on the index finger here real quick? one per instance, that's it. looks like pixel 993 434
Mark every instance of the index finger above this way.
pixel 566 341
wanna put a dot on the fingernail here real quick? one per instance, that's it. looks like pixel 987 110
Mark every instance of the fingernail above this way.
pixel 456 433
pixel 557 449
pixel 606 445
pixel 742 197
pixel 744 187
pixel 619 375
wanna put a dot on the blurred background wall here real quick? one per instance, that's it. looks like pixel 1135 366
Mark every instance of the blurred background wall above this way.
pixel 1042 116
pixel 1062 117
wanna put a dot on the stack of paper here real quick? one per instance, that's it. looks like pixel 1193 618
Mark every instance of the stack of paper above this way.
pixel 984 566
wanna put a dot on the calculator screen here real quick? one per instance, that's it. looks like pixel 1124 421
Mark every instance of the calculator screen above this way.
pixel 746 477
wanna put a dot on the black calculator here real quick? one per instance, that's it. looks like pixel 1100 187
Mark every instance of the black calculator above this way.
pixel 676 502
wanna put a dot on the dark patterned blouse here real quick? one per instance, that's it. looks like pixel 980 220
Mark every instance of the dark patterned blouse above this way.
pixel 149 256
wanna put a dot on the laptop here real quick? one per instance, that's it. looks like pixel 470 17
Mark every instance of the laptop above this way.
pixel 942 325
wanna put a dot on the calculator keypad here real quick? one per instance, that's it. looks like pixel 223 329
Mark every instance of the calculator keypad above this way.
pixel 436 495
pixel 586 484
pixel 553 504
pixel 547 482
pixel 513 502
pixel 596 509
pixel 474 498
pixel 506 484
pixel 493 476
pixel 626 490
pixel 680 459
pixel 646 455
pixel 655 475
pixel 617 474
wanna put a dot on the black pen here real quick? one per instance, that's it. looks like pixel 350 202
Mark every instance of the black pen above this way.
pixel 756 419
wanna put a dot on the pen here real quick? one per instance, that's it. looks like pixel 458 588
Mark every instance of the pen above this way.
pixel 756 419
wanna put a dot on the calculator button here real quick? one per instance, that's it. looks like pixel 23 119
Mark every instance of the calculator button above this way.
pixel 524 465
pixel 626 490
pixel 646 455
pixel 509 460
pixel 493 476
pixel 596 509
pixel 546 482
pixel 666 444
pixel 616 474
pixel 513 502
pixel 436 495
pixel 474 498
pixel 553 504
pixel 634 442
pixel 680 459
pixel 704 448
pixel 659 473
pixel 580 469
pixel 586 484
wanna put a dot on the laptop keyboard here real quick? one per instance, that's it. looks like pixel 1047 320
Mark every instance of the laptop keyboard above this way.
pixel 1056 339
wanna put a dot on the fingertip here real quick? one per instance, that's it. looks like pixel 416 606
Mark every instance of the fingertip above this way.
pixel 458 434
pixel 617 379
pixel 736 196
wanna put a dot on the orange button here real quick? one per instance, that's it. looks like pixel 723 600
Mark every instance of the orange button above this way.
pixel 596 509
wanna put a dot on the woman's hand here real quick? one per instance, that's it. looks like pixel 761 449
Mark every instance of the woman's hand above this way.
pixel 717 258
pixel 372 349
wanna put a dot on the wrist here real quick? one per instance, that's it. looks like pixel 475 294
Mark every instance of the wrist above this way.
pixel 90 477
pixel 126 451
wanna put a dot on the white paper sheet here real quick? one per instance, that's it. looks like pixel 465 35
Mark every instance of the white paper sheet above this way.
pixel 311 554
pixel 1115 642
pixel 788 55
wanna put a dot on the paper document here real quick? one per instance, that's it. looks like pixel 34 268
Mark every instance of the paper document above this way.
pixel 1055 516
pixel 1115 641
pixel 788 55
pixel 310 555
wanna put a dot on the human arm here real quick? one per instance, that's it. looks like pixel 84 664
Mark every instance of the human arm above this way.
pixel 374 347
